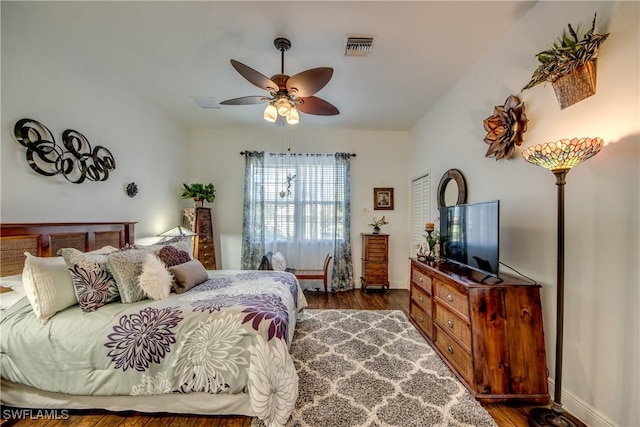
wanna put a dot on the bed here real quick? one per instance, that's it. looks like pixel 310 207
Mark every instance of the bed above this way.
pixel 219 347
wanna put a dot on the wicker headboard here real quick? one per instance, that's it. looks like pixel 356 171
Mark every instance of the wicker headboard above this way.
pixel 44 239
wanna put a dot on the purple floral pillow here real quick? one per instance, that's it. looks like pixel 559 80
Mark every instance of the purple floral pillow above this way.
pixel 171 256
pixel 93 283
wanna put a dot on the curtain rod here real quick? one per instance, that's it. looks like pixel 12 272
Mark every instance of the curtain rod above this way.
pixel 242 153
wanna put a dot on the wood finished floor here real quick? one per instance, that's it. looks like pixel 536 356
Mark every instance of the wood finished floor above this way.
pixel 505 414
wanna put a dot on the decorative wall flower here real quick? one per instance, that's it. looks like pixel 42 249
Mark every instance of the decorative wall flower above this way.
pixel 505 128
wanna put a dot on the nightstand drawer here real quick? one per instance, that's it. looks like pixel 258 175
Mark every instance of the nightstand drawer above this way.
pixel 421 319
pixel 421 299
pixel 450 297
pixel 455 354
pixel 450 322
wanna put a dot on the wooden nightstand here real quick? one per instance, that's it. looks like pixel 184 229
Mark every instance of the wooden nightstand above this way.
pixel 203 245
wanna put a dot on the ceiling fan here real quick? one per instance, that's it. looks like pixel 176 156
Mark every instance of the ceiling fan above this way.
pixel 287 94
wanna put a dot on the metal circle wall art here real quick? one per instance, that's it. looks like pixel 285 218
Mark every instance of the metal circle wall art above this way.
pixel 76 161
pixel 505 128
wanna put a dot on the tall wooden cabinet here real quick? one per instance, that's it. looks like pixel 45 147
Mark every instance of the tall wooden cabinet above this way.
pixel 490 335
pixel 199 220
pixel 375 261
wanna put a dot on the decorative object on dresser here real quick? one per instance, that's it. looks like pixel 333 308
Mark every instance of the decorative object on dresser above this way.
pixel 490 335
pixel 505 128
pixel 456 176
pixel 199 193
pixel 383 199
pixel 77 163
pixel 570 65
pixel 375 222
pixel 559 157
pixel 375 261
pixel 199 221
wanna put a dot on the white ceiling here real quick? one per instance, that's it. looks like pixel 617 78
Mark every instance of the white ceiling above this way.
pixel 175 51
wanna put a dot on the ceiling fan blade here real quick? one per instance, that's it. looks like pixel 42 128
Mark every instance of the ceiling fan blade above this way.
pixel 308 82
pixel 245 100
pixel 316 106
pixel 258 79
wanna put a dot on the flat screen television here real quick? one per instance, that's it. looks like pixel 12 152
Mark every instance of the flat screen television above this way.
pixel 470 235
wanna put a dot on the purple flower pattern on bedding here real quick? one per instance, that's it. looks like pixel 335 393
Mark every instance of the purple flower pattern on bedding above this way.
pixel 143 338
pixel 213 283
pixel 259 308
pixel 277 276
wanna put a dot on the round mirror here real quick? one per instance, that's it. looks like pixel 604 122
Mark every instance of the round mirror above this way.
pixel 452 189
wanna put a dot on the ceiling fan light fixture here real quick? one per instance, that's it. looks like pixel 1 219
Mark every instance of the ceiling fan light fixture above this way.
pixel 293 117
pixel 270 113
pixel 284 106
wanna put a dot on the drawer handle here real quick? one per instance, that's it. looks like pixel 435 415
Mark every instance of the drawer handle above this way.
pixel 450 349
pixel 420 299
pixel 419 279
pixel 450 298
pixel 421 319
pixel 450 323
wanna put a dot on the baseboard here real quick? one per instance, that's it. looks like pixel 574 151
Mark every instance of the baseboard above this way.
pixel 580 409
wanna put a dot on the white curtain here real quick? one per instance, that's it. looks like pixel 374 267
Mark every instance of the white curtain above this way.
pixel 300 217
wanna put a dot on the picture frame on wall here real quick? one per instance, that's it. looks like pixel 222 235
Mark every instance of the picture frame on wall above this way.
pixel 383 198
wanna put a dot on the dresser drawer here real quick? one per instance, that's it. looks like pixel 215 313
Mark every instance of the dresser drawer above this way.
pixel 450 322
pixel 421 319
pixel 421 279
pixel 455 354
pixel 421 299
pixel 452 298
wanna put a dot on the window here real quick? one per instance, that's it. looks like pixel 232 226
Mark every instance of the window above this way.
pixel 300 197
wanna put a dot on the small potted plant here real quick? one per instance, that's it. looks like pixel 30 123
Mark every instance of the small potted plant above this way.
pixel 570 65
pixel 199 193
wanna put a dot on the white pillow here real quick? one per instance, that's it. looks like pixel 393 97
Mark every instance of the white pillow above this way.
pixel 7 299
pixel 155 279
pixel 48 285
pixel 278 262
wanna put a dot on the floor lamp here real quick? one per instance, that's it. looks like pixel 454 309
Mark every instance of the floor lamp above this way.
pixel 559 157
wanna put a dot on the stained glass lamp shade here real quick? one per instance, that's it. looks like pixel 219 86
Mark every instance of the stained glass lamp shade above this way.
pixel 563 154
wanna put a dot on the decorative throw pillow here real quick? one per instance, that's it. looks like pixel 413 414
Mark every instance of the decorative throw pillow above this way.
pixel 178 243
pixel 188 275
pixel 48 285
pixel 278 262
pixel 171 256
pixel 65 252
pixel 126 267
pixel 94 285
pixel 155 279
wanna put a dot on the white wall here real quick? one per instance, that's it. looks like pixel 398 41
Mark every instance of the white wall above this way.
pixel 72 90
pixel 601 340
pixel 381 161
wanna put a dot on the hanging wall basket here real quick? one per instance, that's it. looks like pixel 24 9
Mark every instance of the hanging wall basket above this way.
pixel 576 86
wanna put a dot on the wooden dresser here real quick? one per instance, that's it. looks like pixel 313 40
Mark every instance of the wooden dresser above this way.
pixel 375 261
pixel 203 247
pixel 490 335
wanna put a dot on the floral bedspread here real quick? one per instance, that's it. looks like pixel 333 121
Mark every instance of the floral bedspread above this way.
pixel 230 334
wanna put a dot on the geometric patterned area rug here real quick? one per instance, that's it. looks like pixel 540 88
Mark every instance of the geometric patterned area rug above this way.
pixel 373 368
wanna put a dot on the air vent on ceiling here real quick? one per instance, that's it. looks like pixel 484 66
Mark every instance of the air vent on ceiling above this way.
pixel 358 45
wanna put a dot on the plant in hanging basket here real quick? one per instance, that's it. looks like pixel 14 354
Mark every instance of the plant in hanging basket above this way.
pixel 570 55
